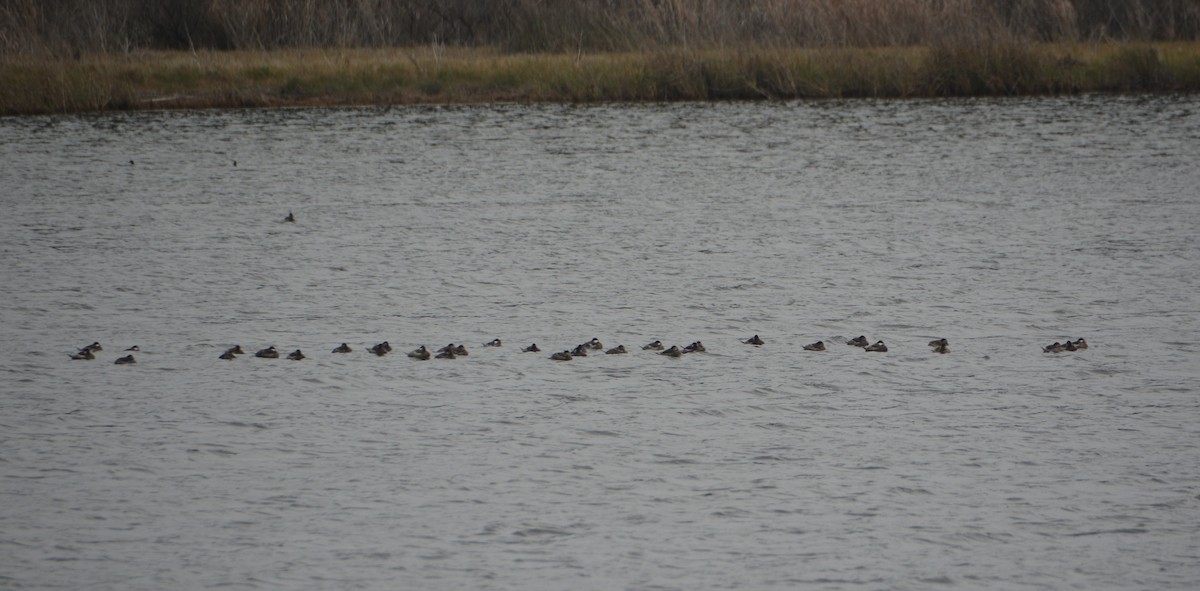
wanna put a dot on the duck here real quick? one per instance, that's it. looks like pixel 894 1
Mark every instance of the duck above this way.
pixel 237 350
pixel 696 347
pixel 381 349
pixel 817 346
pixel 943 348
pixel 861 341
pixel 580 351
pixel 674 351
pixel 420 353
pixel 228 354
pixel 94 347
pixel 754 340
pixel 878 347
pixel 445 353
pixel 460 350
pixel 1057 347
pixel 449 348
pixel 595 344
pixel 268 353
pixel 532 348
pixel 134 348
pixel 492 343
pixel 290 218
pixel 939 343
pixel 655 346
pixel 83 355
pixel 342 348
pixel 562 356
pixel 618 350
pixel 126 360
pixel 1080 343
pixel 295 355
pixel 1070 346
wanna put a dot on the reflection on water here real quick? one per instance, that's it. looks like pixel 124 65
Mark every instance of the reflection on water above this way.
pixel 1001 225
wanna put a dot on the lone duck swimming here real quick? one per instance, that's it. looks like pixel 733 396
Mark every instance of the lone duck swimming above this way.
pixel 754 340
pixel 939 343
pixel 532 348
pixel 817 346
pixel 342 348
pixel 942 348
pixel 492 343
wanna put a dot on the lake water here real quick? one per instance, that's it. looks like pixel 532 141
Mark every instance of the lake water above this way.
pixel 1001 225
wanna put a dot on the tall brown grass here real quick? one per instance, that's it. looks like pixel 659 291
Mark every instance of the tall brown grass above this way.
pixel 71 27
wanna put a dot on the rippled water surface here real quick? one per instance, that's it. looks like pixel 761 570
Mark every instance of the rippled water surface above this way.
pixel 1001 225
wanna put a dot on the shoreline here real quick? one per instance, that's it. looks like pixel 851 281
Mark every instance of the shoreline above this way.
pixel 436 74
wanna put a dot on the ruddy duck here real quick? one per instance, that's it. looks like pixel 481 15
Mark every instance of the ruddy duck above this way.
pixel 1070 346
pixel 817 346
pixel 492 343
pixel 754 340
pixel 94 347
pixel 445 353
pixel 237 350
pixel 563 356
pixel 619 349
pixel 655 346
pixel 861 341
pixel 878 347
pixel 939 343
pixel 532 348
pixel 460 350
pixel 419 353
pixel 134 348
pixel 943 348
pixel 295 355
pixel 1080 343
pixel 595 344
pixel 580 351
pixel 1057 347
pixel 342 348
pixel 126 360
pixel 83 355
pixel 381 349
pixel 268 353
pixel 228 354
pixel 674 351
pixel 696 347
pixel 290 218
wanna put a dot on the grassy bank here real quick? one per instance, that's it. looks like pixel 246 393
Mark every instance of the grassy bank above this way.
pixel 439 74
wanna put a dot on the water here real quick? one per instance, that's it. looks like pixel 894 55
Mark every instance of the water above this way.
pixel 1002 225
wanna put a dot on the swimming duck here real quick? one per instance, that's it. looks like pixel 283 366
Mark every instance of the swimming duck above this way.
pixel 754 340
pixel 342 348
pixel 126 360
pixel 381 349
pixel 83 355
pixel 532 348
pixel 492 343
pixel 237 350
pixel 878 347
pixel 228 354
pixel 460 350
pixel 1070 346
pixel 580 351
pixel 449 348
pixel 861 341
pixel 1080 343
pixel 134 348
pixel 290 218
pixel 655 346
pixel 619 349
pixel 563 356
pixel 445 353
pixel 696 347
pixel 939 343
pixel 419 353
pixel 943 348
pixel 1057 347
pixel 295 355
pixel 268 353
pixel 817 346
pixel 94 347
pixel 595 344
pixel 674 351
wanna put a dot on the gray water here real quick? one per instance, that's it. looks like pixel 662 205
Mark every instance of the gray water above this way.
pixel 1001 225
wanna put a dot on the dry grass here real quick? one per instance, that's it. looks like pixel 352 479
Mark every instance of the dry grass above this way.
pixel 439 74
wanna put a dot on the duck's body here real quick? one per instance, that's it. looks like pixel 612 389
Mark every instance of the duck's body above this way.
pixel 561 356
pixel 942 348
pixel 342 348
pixel 696 347
pixel 134 348
pixel 420 353
pixel 228 354
pixel 1057 347
pixel 861 341
pixel 295 355
pixel 445 354
pixel 1081 344
pixel 381 349
pixel 492 343
pixel 817 346
pixel 878 347
pixel 461 350
pixel 83 355
pixel 618 350
pixel 655 346
pixel 580 351
pixel 268 353
pixel 939 343
pixel 754 340
pixel 674 351
pixel 94 347
pixel 595 344
pixel 237 350
pixel 532 348
pixel 1070 346
pixel 126 360
pixel 290 218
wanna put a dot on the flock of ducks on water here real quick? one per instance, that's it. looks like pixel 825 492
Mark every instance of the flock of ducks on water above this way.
pixel 453 351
